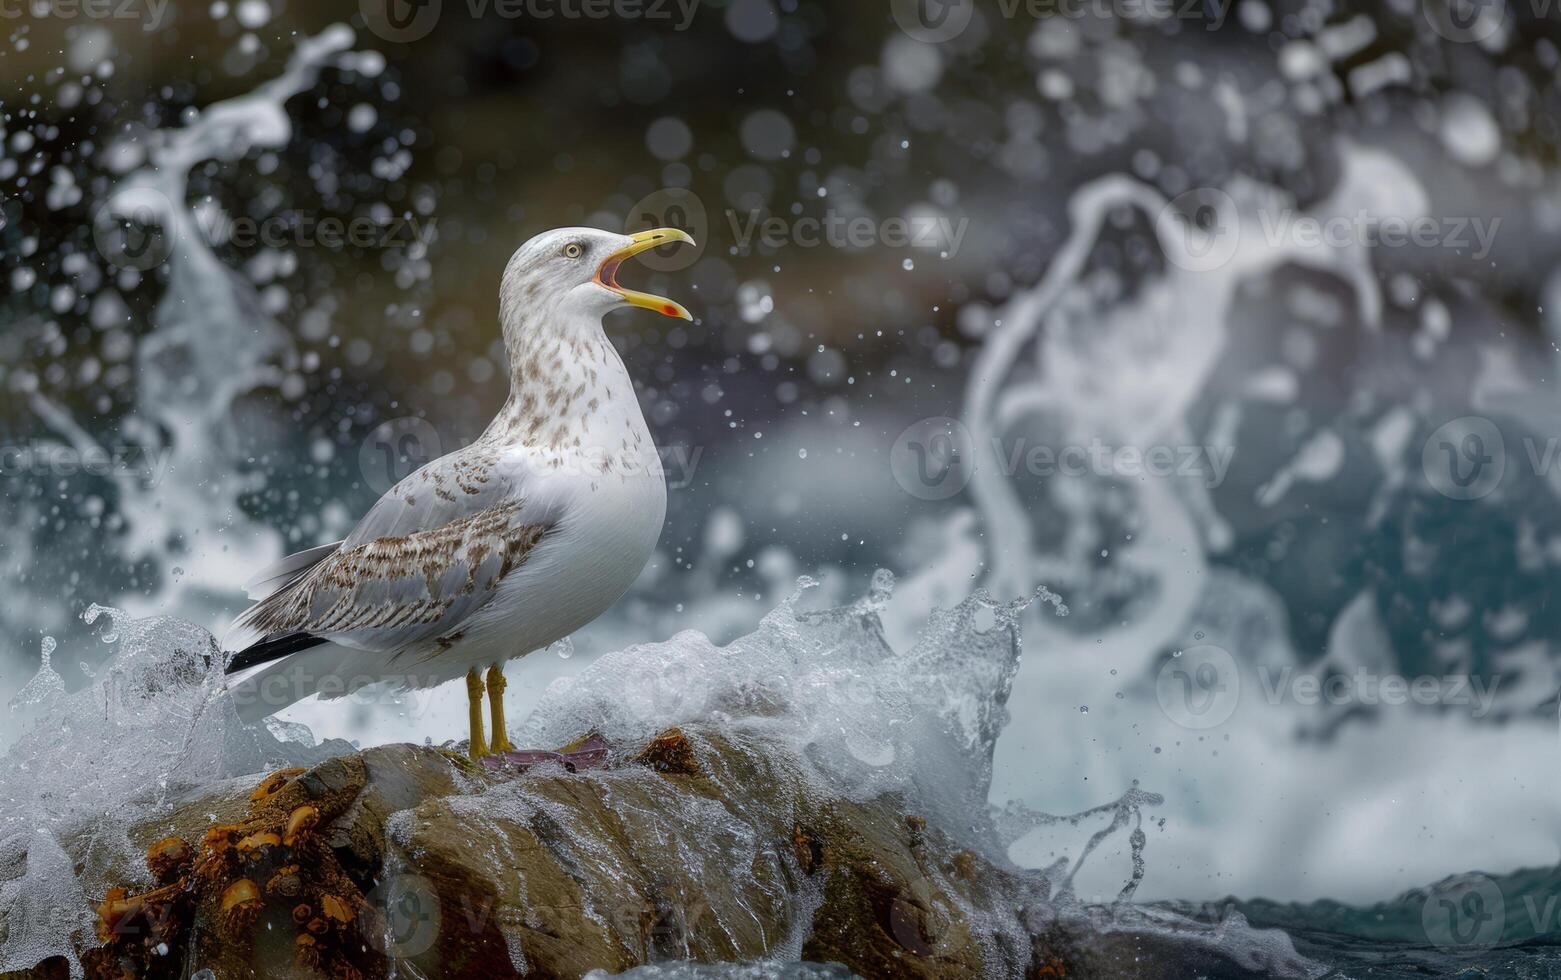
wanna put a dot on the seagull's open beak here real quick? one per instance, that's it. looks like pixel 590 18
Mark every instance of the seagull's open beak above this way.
pixel 643 241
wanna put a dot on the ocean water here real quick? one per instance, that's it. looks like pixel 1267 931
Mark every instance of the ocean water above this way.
pixel 1284 523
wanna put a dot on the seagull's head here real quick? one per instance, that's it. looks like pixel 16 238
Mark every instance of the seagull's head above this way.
pixel 573 271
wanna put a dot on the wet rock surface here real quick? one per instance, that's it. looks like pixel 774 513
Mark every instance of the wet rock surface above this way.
pixel 411 861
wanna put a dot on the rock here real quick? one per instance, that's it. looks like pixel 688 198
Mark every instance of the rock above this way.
pixel 595 875
pixel 696 848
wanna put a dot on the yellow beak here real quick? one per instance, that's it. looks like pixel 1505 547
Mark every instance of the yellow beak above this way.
pixel 643 241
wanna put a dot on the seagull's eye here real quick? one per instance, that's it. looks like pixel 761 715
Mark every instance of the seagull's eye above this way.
pixel 574 250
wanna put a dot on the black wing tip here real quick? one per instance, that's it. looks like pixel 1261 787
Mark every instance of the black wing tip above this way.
pixel 266 651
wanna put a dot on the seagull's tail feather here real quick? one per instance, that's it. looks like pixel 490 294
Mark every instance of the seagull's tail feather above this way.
pixel 288 678
pixel 273 649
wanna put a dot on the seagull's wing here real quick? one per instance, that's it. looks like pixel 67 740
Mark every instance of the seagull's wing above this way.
pixel 427 555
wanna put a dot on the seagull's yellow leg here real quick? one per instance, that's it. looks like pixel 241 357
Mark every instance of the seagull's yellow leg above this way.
pixel 479 745
pixel 496 686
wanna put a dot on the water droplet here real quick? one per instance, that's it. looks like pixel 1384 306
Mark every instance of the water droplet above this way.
pixel 1083 709
pixel 564 649
pixel 908 265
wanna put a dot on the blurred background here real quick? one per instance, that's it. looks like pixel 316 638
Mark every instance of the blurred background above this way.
pixel 1232 323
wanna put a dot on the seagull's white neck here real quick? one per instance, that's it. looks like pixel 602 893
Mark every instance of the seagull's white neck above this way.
pixel 569 391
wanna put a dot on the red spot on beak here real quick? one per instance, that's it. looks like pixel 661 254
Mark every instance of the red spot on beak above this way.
pixel 669 310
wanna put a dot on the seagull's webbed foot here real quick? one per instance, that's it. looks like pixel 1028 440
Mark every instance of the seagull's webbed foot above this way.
pixel 590 752
pixel 496 686
pixel 479 745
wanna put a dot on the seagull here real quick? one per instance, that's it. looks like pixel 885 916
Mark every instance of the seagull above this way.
pixel 497 549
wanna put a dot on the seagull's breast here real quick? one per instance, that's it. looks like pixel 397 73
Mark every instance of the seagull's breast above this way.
pixel 608 526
